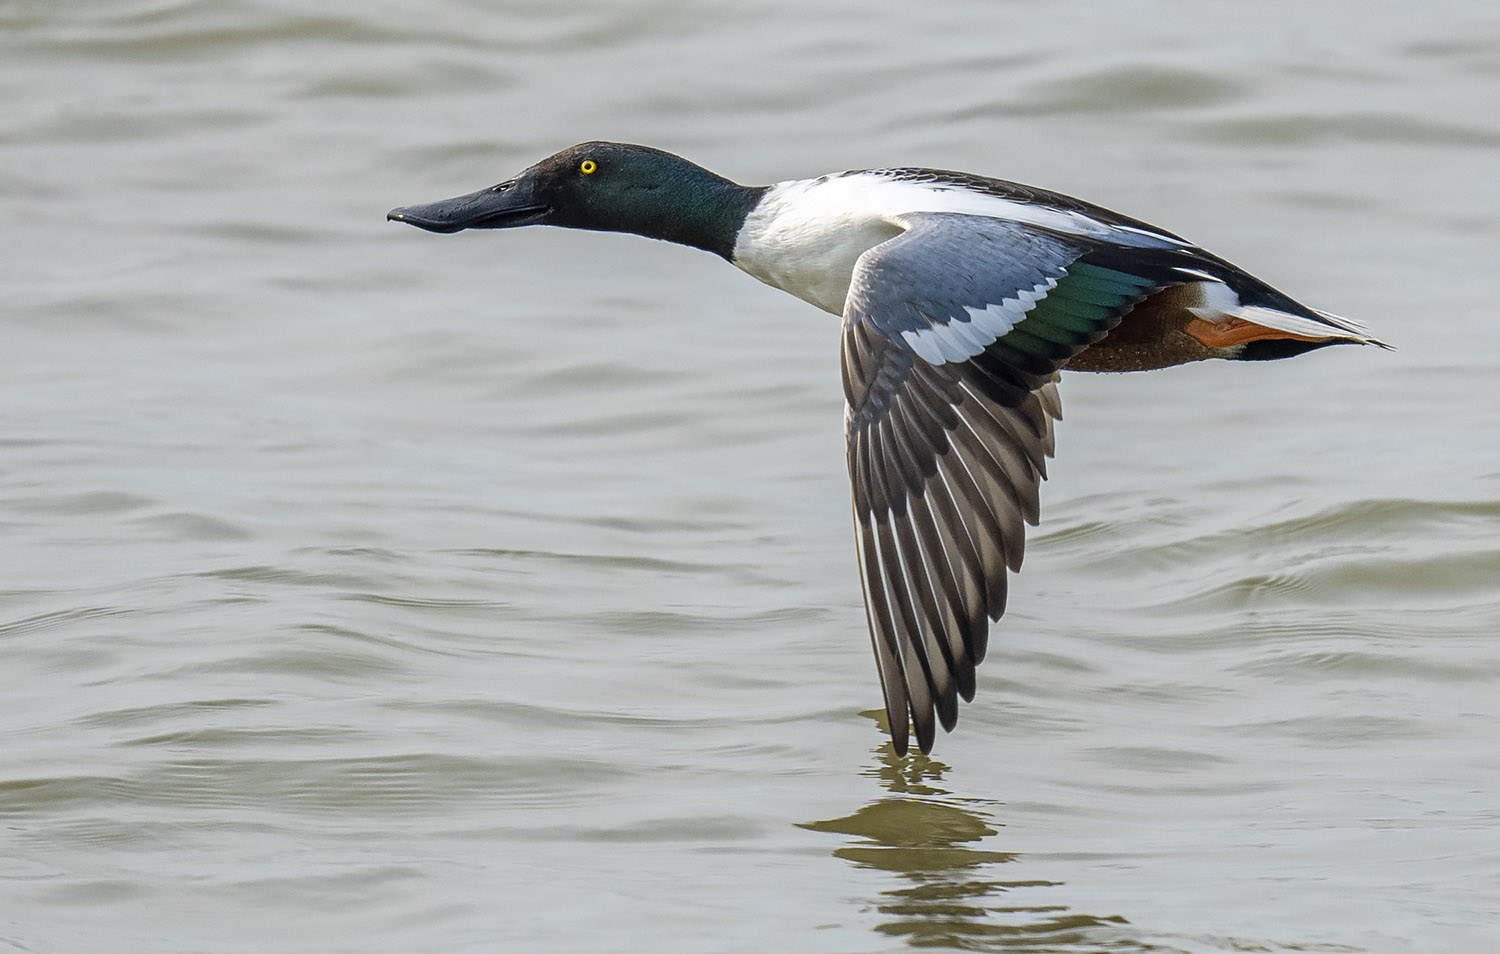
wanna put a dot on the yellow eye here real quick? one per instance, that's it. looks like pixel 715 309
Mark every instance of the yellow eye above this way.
pixel 587 166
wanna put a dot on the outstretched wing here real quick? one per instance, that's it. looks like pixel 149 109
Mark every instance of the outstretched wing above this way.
pixel 953 334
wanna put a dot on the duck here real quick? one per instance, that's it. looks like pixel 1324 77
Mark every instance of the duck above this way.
pixel 962 297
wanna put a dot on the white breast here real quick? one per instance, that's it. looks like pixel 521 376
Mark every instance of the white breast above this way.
pixel 806 234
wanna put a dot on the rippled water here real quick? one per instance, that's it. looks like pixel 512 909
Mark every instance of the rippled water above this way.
pixel 368 590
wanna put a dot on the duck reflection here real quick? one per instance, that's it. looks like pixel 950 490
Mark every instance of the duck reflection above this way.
pixel 947 895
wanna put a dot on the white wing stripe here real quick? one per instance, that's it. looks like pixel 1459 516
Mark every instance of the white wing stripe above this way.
pixel 959 340
pixel 971 334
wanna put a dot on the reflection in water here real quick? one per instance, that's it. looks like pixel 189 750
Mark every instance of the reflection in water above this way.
pixel 945 898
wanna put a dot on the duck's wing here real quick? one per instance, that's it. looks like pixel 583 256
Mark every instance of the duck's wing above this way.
pixel 953 334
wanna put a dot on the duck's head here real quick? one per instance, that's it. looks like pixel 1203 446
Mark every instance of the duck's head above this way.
pixel 605 187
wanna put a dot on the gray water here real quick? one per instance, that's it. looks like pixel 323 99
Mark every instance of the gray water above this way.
pixel 365 590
